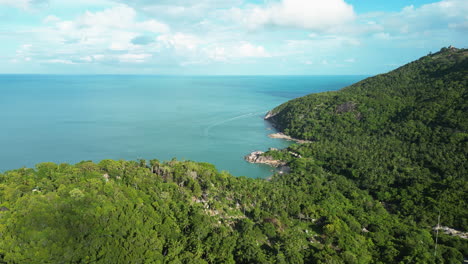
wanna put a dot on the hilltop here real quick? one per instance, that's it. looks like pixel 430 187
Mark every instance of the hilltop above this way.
pixel 402 136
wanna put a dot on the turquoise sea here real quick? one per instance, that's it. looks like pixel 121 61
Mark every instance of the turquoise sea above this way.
pixel 62 118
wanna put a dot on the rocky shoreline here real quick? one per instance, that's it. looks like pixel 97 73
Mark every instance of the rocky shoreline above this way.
pixel 257 157
pixel 284 136
pixel 270 117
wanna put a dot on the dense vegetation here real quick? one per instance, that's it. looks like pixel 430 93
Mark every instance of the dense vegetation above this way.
pixel 401 136
pixel 388 154
pixel 186 212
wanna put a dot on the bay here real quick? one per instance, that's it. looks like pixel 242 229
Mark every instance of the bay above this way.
pixel 215 119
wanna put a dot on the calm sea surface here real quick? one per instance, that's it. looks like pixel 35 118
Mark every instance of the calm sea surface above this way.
pixel 212 119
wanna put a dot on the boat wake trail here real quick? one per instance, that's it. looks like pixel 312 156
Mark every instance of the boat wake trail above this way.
pixel 207 130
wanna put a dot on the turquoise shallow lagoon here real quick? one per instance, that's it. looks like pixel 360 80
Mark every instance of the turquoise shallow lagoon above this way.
pixel 211 119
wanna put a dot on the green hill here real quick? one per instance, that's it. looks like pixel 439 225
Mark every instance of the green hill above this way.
pixel 402 136
pixel 388 154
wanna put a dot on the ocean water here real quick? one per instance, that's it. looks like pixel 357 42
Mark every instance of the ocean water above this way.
pixel 218 120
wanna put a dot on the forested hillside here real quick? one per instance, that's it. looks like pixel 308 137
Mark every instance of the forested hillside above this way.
pixel 388 154
pixel 401 136
pixel 186 212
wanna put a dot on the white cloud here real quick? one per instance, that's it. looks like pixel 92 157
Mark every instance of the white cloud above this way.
pixel 134 58
pixel 198 50
pixel 15 3
pixel 98 57
pixel 93 37
pixel 123 58
pixel 306 14
pixel 119 46
pixel 321 43
pixel 234 52
pixel 217 54
pixel 153 26
pixel 23 4
pixel 120 16
pixel 112 28
pixel 51 19
pixel 86 59
pixel 23 53
pixel 181 11
pixel 26 46
pixel 382 36
pixel 441 15
pixel 152 33
pixel 180 42
pixel 249 50
pixel 60 61
pixel 81 3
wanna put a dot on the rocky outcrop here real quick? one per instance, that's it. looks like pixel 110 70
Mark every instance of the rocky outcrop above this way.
pixel 348 107
pixel 451 232
pixel 284 136
pixel 272 119
pixel 345 108
pixel 257 157
pixel 269 115
pixel 106 177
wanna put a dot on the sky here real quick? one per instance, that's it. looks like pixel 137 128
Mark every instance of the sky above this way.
pixel 224 37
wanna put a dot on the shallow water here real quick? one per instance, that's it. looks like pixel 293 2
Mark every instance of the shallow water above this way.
pixel 211 119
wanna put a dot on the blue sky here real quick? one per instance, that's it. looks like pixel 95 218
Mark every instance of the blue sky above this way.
pixel 224 37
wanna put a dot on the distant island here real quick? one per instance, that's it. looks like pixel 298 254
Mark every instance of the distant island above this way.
pixel 380 176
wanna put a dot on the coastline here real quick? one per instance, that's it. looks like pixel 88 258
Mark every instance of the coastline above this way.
pixel 270 117
pixel 281 135
pixel 258 157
